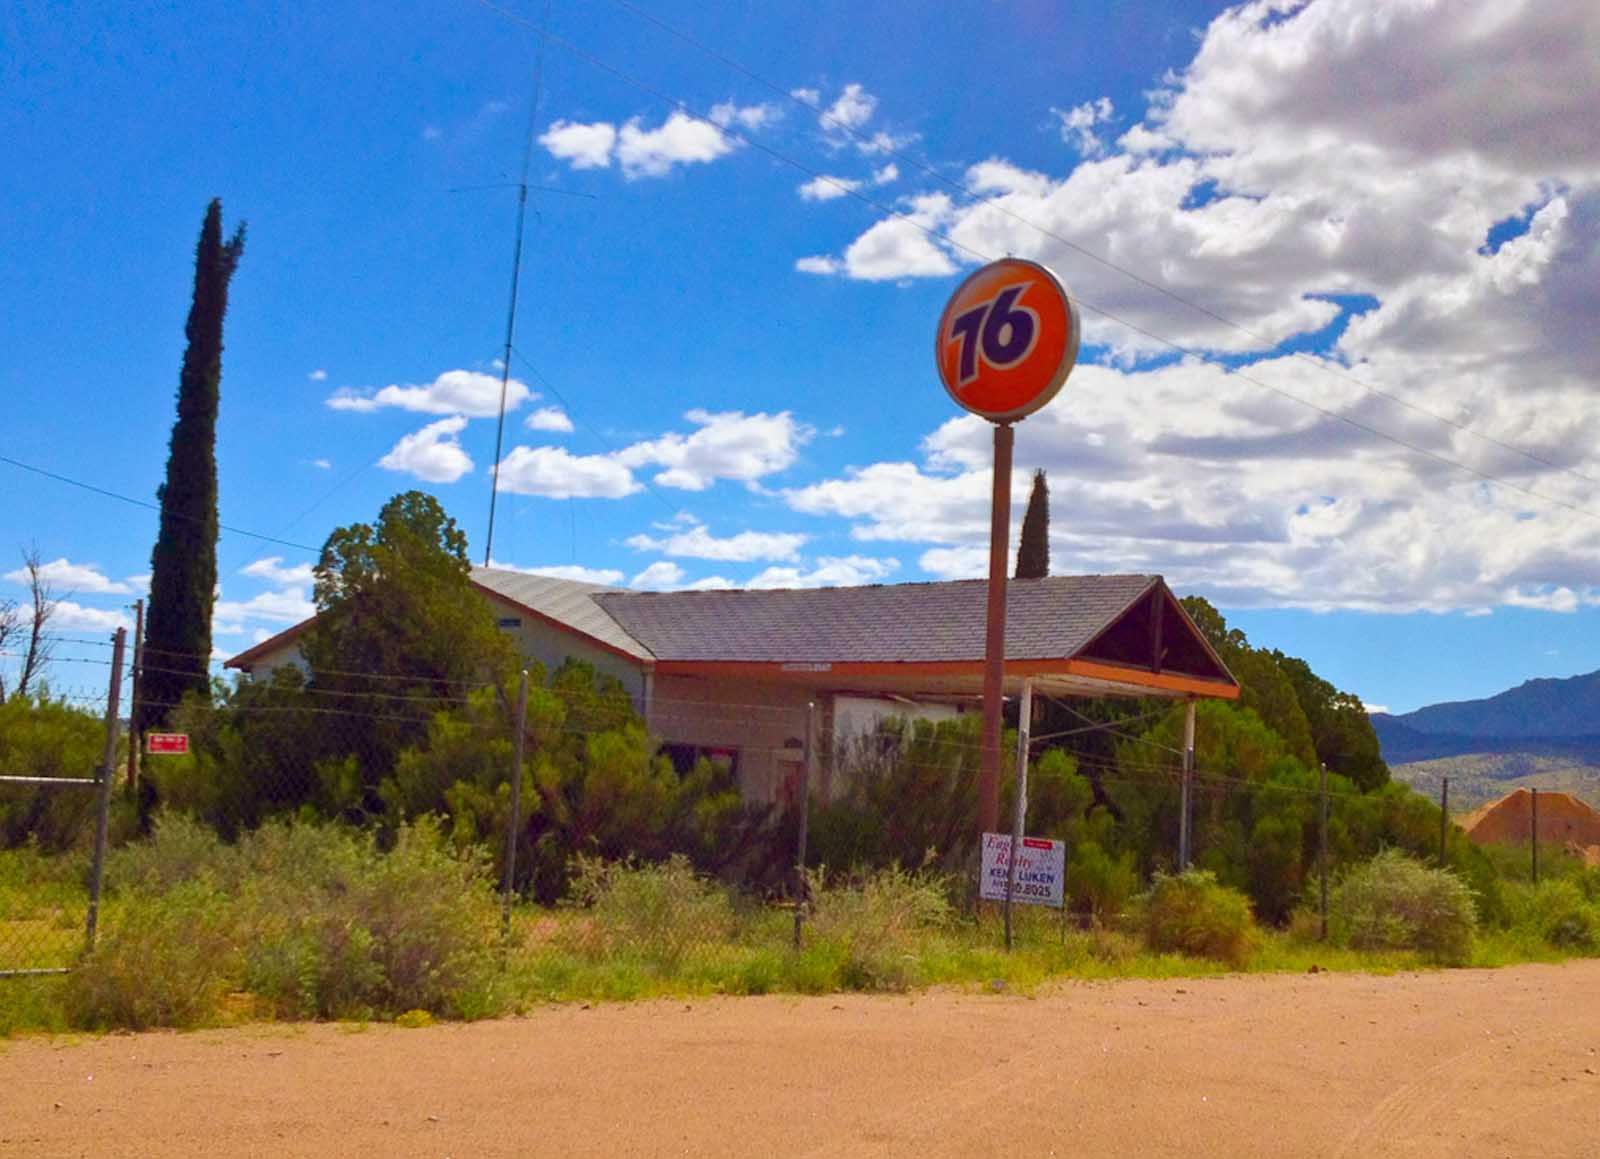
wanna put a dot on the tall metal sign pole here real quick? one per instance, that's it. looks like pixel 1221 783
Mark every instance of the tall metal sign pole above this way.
pixel 1007 341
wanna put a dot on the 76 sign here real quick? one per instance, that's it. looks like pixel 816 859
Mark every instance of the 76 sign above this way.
pixel 1007 340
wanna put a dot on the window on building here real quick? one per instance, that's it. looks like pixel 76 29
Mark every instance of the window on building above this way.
pixel 684 756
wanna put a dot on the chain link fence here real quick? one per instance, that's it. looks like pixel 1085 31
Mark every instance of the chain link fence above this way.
pixel 597 855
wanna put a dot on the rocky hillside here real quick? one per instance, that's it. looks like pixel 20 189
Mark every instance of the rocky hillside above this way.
pixel 1542 734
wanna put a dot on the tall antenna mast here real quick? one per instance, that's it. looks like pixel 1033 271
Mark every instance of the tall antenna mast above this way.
pixel 516 277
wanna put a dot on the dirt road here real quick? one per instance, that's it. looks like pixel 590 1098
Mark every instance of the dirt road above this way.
pixel 1480 1063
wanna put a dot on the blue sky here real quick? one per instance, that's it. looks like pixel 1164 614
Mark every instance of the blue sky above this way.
pixel 1392 221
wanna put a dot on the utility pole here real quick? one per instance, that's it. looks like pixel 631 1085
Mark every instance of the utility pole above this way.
pixel 1185 802
pixel 1444 821
pixel 133 707
pixel 994 636
pixel 1533 835
pixel 1322 844
pixel 1019 813
pixel 514 830
pixel 805 822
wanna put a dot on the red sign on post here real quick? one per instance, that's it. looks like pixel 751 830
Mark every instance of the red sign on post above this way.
pixel 1007 340
pixel 166 743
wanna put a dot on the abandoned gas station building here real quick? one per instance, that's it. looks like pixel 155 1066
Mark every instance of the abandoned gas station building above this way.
pixel 730 674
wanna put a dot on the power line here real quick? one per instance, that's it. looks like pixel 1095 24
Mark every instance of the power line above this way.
pixel 59 478
pixel 538 377
pixel 849 190
pixel 995 203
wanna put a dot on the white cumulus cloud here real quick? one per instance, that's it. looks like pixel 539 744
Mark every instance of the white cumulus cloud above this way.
pixel 826 188
pixel 272 570
pixel 433 454
pixel 455 392
pixel 659 576
pixel 693 540
pixel 830 571
pixel 727 445
pixel 605 576
pixel 582 146
pixel 556 473
pixel 549 418
pixel 65 576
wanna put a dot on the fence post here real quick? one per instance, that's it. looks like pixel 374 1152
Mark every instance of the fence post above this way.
pixel 1533 835
pixel 1322 844
pixel 514 830
pixel 1185 805
pixel 108 768
pixel 1019 812
pixel 133 701
pixel 805 822
pixel 1444 821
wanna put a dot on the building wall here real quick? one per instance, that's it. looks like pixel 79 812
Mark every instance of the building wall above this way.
pixel 550 646
pixel 535 638
pixel 287 655
pixel 766 723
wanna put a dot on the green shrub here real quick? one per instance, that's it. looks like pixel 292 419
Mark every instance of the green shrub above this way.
pixel 1395 903
pixel 179 849
pixel 657 911
pixel 1190 913
pixel 1560 914
pixel 1099 884
pixel 340 930
pixel 878 922
pixel 166 961
pixel 41 737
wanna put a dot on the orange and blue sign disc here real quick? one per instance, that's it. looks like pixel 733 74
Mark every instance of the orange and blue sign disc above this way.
pixel 1007 340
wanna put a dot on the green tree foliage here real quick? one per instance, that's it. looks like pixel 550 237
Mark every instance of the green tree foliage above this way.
pixel 41 737
pixel 1033 550
pixel 593 784
pixel 183 567
pixel 911 797
pixel 1340 730
pixel 400 629
pixel 1264 686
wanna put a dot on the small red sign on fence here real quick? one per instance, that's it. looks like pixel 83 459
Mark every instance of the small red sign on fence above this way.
pixel 170 743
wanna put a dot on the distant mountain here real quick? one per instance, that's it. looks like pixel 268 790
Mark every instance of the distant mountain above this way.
pixel 1538 708
pixel 1544 734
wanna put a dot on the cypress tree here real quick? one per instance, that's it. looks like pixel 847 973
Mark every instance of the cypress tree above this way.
pixel 1033 552
pixel 183 567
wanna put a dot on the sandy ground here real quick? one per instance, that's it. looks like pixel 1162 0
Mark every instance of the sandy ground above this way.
pixel 1480 1063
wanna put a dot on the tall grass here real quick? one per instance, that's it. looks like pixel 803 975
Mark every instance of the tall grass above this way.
pixel 314 921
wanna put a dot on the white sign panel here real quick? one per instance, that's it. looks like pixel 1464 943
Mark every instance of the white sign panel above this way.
pixel 1041 866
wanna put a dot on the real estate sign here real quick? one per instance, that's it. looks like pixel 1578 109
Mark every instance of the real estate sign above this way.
pixel 1041 866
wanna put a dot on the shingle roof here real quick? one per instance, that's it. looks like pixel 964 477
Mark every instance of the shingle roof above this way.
pixel 1047 619
pixel 567 601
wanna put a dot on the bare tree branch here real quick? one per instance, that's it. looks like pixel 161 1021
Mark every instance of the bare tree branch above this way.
pixel 10 625
pixel 42 605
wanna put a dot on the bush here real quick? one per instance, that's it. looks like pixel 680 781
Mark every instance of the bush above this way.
pixel 1099 884
pixel 179 849
pixel 878 923
pixel 1395 903
pixel 167 961
pixel 340 930
pixel 1560 914
pixel 653 911
pixel 318 922
pixel 1190 913
pixel 40 737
